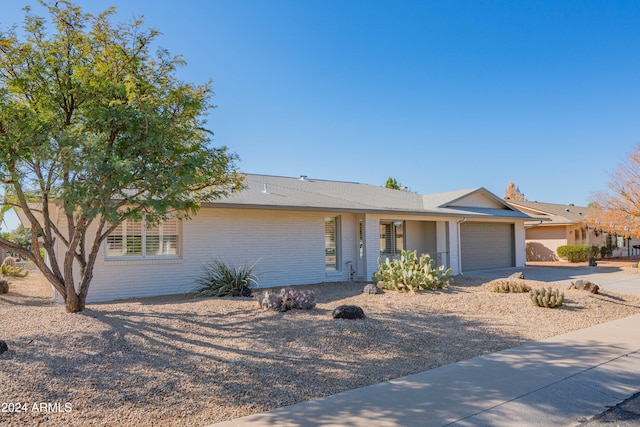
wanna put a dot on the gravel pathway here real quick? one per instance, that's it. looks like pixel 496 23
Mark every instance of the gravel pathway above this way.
pixel 177 361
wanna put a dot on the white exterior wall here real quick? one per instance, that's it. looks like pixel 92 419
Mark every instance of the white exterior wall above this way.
pixel 420 236
pixel 287 247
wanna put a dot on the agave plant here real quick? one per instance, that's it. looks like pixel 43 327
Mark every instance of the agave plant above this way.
pixel 220 280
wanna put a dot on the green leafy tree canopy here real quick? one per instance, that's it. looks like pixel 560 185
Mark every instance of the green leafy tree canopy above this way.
pixel 392 183
pixel 95 129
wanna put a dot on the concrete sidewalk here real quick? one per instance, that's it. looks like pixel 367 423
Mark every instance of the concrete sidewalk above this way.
pixel 561 381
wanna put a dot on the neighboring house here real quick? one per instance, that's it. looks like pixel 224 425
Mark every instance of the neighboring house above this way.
pixel 565 225
pixel 305 231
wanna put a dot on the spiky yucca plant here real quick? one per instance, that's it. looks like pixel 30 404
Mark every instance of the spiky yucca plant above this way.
pixel 220 280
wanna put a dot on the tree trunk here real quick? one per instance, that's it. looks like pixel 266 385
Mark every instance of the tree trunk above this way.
pixel 75 303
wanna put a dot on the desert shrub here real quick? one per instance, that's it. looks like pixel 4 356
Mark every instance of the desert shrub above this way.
pixel 4 286
pixel 546 297
pixel 595 251
pixel 220 280
pixel 411 274
pixel 505 286
pixel 574 253
pixel 287 299
pixel 9 270
pixel 606 251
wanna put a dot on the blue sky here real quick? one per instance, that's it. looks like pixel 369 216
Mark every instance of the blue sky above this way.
pixel 440 95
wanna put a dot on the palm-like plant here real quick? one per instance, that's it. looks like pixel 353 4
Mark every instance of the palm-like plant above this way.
pixel 220 280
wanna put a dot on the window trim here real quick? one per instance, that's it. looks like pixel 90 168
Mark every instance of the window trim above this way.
pixel 144 256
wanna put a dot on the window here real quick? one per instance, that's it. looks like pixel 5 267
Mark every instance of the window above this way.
pixel 391 238
pixel 135 239
pixel 331 245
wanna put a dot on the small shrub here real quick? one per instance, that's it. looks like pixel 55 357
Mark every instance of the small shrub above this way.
pixel 505 286
pixel 574 253
pixel 287 299
pixel 595 252
pixel 4 286
pixel 220 280
pixel 606 251
pixel 9 270
pixel 548 298
pixel 411 274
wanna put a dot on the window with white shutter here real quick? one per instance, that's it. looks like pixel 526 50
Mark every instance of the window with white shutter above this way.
pixel 137 239
pixel 391 238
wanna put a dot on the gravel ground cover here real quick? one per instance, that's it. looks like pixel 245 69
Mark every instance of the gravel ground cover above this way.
pixel 179 361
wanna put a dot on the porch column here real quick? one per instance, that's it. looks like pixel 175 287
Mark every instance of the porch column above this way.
pixel 371 245
pixel 454 250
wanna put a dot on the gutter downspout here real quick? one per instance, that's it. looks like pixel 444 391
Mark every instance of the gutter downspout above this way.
pixel 463 220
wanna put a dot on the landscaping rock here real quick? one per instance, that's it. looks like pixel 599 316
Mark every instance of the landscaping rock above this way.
pixel 518 275
pixel 585 285
pixel 348 312
pixel 3 347
pixel 372 289
pixel 243 291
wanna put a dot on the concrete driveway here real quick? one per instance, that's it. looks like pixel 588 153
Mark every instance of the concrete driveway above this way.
pixel 610 279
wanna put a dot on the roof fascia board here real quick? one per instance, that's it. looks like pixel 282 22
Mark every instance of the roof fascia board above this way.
pixel 485 192
pixel 358 211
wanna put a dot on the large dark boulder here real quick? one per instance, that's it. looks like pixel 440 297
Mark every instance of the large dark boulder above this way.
pixel 3 347
pixel 348 312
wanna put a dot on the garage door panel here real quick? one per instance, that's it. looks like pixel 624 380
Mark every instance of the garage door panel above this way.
pixel 486 245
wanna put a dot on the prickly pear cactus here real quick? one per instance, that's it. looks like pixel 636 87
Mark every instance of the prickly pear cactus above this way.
pixel 547 297
pixel 411 274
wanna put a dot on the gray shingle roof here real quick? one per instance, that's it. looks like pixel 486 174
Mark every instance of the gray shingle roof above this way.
pixel 277 192
pixel 558 213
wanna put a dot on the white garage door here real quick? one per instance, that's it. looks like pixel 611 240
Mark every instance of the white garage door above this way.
pixel 486 245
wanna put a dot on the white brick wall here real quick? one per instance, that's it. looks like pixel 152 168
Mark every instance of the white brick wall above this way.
pixel 287 247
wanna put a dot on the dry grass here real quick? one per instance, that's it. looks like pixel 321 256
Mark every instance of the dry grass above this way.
pixel 175 361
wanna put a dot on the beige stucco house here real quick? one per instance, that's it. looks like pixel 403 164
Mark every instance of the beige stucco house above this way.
pixel 565 225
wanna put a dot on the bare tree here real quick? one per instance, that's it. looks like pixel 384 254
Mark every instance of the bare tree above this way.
pixel 618 210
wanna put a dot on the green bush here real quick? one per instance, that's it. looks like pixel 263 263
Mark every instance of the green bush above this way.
pixel 548 298
pixel 505 286
pixel 411 274
pixel 606 251
pixel 574 253
pixel 220 280
pixel 595 251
